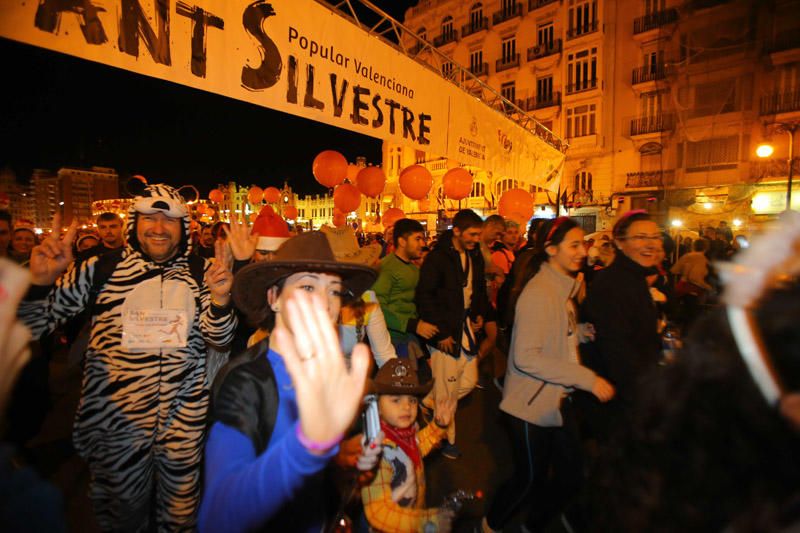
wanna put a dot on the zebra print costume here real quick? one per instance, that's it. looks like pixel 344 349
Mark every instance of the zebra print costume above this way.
pixel 141 420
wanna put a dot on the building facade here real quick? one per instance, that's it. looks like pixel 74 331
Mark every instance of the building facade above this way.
pixel 662 102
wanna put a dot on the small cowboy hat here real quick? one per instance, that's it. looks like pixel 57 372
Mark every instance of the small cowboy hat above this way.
pixel 398 377
pixel 309 252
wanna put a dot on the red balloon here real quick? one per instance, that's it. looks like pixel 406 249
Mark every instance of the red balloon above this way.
pixel 346 198
pixel 329 168
pixel 215 196
pixel 253 217
pixel 255 194
pixel 290 212
pixel 272 195
pixel 457 183
pixel 416 182
pixel 339 220
pixel 392 215
pixel 352 172
pixel 370 181
pixel 516 204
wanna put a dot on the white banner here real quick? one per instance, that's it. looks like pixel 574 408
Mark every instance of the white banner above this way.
pixel 296 56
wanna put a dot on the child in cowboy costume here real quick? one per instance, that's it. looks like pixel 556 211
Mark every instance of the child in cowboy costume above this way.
pixel 394 501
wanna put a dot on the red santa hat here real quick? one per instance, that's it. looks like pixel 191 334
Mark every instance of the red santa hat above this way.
pixel 272 230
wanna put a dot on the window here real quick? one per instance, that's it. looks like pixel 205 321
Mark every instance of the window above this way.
pixel 583 181
pixel 581 120
pixel 509 6
pixel 650 104
pixel 509 50
pixel 509 91
pixel 582 70
pixel 423 34
pixel 476 17
pixel 545 35
pixel 534 189
pixel 447 69
pixel 788 78
pixel 544 89
pixel 478 190
pixel 476 61
pixel 506 185
pixel 447 27
pixel 712 154
pixel 652 7
pixel 582 17
pixel 715 98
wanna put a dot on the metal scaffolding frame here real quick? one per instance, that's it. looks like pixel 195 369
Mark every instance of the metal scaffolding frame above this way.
pixel 427 55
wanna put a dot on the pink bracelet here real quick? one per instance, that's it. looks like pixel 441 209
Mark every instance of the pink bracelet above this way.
pixel 310 445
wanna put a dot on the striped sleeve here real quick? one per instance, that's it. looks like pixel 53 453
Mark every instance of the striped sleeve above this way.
pixel 385 515
pixel 429 437
pixel 43 311
pixel 217 324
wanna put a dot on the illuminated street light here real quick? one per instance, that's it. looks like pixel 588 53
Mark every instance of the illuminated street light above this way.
pixel 707 205
pixel 765 150
pixel 737 223
pixel 677 223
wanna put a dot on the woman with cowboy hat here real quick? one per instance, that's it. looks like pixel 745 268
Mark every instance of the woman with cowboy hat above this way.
pixel 280 410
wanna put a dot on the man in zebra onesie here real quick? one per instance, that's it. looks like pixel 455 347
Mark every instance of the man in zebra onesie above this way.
pixel 141 420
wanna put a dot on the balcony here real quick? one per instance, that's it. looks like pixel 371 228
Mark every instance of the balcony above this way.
pixel 652 178
pixel 648 73
pixel 506 63
pixel 544 49
pixel 535 4
pixel 772 104
pixel 585 85
pixel 417 48
pixel 652 124
pixel 479 70
pixel 654 20
pixel 450 36
pixel 581 30
pixel 508 13
pixel 705 4
pixel 475 26
pixel 547 100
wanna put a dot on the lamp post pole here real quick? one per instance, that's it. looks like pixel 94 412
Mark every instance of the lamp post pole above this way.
pixel 790 129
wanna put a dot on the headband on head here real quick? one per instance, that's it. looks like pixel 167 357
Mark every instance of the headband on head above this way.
pixel 625 217
pixel 557 223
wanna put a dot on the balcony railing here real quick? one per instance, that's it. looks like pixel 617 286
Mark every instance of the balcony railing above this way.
pixel 544 49
pixel 582 29
pixel 479 70
pixel 772 104
pixel 548 100
pixel 652 124
pixel 534 4
pixel 585 85
pixel 445 37
pixel 652 178
pixel 648 73
pixel 506 63
pixel 507 13
pixel 475 27
pixel 654 20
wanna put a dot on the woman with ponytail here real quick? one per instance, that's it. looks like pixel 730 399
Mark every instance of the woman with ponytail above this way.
pixel 543 371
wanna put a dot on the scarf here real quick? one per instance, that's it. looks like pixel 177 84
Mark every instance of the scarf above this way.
pixel 405 438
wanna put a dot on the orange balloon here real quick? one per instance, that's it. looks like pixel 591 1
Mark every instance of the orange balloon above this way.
pixel 346 198
pixel 140 178
pixel 215 196
pixel 457 183
pixel 210 212
pixel 392 215
pixel 516 204
pixel 329 168
pixel 352 172
pixel 290 212
pixel 272 195
pixel 339 220
pixel 424 204
pixel 416 181
pixel 255 194
pixel 200 208
pixel 370 181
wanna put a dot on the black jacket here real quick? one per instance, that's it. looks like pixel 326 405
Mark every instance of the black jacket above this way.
pixel 440 291
pixel 626 320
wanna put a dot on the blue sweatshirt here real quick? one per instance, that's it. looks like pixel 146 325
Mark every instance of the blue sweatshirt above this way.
pixel 243 491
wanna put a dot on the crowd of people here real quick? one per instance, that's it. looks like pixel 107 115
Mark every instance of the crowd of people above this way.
pixel 224 367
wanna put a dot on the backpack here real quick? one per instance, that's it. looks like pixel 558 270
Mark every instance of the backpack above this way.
pixel 507 297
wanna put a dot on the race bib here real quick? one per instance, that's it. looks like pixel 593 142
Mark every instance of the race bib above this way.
pixel 154 328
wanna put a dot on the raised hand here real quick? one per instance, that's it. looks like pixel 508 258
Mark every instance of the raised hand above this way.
pixel 242 243
pixel 445 410
pixel 328 394
pixel 219 277
pixel 14 337
pixel 53 255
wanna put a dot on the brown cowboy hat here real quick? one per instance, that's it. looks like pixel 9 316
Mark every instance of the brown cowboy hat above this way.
pixel 308 252
pixel 398 377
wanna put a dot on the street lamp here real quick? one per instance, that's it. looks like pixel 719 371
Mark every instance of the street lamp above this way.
pixel 765 150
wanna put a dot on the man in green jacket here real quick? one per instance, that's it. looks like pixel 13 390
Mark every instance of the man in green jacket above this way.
pixel 395 290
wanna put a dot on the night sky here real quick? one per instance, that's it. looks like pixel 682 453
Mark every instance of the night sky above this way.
pixel 62 111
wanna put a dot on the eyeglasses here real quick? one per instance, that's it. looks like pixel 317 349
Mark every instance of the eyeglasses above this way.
pixel 642 238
